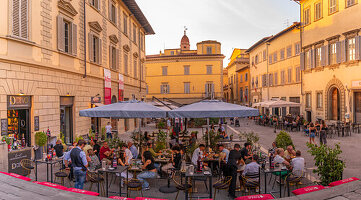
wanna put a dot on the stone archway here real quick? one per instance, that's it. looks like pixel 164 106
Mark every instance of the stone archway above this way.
pixel 334 96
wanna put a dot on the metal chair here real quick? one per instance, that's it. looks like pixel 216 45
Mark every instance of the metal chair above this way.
pixel 294 177
pixel 134 185
pixel 93 178
pixel 61 174
pixel 28 165
pixel 181 187
pixel 222 184
pixel 251 182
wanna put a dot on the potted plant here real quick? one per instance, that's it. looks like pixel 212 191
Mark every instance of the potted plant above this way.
pixel 283 140
pixel 40 141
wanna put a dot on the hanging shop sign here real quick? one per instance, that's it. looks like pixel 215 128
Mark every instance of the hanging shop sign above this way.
pixel 121 88
pixel 107 87
pixel 19 102
pixel 96 100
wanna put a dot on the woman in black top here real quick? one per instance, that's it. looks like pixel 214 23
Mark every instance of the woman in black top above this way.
pixel 323 134
pixel 149 170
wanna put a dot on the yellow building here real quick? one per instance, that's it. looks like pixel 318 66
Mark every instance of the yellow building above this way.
pixel 276 64
pixel 185 75
pixel 238 77
pixel 331 54
pixel 54 64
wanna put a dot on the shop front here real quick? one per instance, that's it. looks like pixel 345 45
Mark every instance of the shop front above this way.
pixel 66 118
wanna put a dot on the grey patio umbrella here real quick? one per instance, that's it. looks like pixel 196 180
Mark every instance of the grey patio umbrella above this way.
pixel 125 109
pixel 212 108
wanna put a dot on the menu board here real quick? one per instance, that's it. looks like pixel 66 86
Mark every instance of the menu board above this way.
pixel 36 123
pixel 4 126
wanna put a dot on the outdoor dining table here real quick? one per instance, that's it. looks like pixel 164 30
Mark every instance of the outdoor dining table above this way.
pixel 47 162
pixel 274 170
pixel 207 174
pixel 135 170
pixel 118 170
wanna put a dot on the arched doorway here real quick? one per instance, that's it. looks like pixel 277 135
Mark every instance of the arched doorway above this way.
pixel 335 111
pixel 114 99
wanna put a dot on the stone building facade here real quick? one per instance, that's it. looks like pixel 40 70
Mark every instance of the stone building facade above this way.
pixel 54 56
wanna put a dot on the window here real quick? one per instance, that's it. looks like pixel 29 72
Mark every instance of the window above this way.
pixel 264 80
pixel 135 68
pixel 264 55
pixel 332 6
pixel 298 74
pixel 318 11
pixel 186 88
pixel 125 24
pixel 95 4
pixel 209 89
pixel 306 16
pixel 113 55
pixel 252 61
pixel 289 75
pixel 95 47
pixel 275 57
pixel 209 69
pixel 318 57
pixel 270 79
pixel 172 53
pixel 319 99
pixel 112 12
pixel 164 88
pixel 246 77
pixel 256 83
pixel 333 54
pixel 141 41
pixel 209 50
pixel 164 70
pixel 351 49
pixel 241 94
pixel 186 69
pixel 282 77
pixel 289 51
pixel 308 59
pixel 350 3
pixel 270 59
pixel 67 36
pixel 256 59
pixel 125 63
pixel 297 49
pixel 308 100
pixel 241 78
pixel 276 78
pixel 282 54
pixel 134 33
pixel 252 82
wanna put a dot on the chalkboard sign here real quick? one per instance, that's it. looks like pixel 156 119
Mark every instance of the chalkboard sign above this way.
pixel 14 159
pixel 36 123
pixel 4 126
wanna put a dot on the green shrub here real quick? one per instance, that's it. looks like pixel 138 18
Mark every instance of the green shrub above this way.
pixel 283 140
pixel 40 138
pixel 251 137
pixel 159 146
pixel 78 138
pixel 329 166
pixel 214 138
pixel 161 125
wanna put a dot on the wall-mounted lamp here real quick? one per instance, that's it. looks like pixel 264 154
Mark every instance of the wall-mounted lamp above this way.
pixel 67 94
pixel 21 92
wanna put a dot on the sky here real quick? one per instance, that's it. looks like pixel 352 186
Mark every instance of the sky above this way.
pixel 234 23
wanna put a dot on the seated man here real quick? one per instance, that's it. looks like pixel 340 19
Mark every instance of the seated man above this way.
pixel 289 153
pixel 105 153
pixel 198 154
pixel 278 159
pixel 252 168
pixel 298 164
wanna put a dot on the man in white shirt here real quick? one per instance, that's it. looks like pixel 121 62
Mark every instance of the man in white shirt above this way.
pixel 278 159
pixel 197 154
pixel 108 130
pixel 253 167
pixel 298 164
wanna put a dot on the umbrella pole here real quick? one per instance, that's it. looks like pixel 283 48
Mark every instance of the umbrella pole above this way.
pixel 139 134
pixel 209 140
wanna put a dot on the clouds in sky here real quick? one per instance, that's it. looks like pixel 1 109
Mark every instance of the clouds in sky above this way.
pixel 234 23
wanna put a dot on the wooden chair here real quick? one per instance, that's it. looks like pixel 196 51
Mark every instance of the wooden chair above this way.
pixel 28 165
pixel 134 185
pixel 93 178
pixel 222 184
pixel 294 177
pixel 251 182
pixel 181 187
pixel 61 174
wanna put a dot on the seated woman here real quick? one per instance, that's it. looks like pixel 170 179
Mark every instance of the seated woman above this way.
pixel 149 170
pixel 175 161
pixel 123 161
pixel 93 160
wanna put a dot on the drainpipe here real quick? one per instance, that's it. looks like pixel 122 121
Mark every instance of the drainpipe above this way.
pixel 84 5
pixel 267 76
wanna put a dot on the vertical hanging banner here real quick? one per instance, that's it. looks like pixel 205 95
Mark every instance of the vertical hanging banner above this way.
pixel 107 87
pixel 121 88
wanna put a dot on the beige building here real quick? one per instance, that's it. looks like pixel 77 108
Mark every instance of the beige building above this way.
pixel 184 75
pixel 275 69
pixel 331 54
pixel 56 58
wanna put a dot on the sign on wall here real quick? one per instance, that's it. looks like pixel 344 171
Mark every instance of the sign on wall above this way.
pixel 36 123
pixel 4 126
pixel 19 101
pixel 121 88
pixel 107 87
pixel 14 159
pixel 356 83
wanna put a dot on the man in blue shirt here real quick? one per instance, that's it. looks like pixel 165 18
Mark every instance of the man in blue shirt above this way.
pixel 133 149
pixel 224 151
pixel 79 162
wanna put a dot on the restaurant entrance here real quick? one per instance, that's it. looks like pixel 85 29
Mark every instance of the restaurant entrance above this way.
pixel 358 107
pixel 66 118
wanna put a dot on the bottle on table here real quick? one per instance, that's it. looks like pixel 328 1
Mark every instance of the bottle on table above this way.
pixel 115 162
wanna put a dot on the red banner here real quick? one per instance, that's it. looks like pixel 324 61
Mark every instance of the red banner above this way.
pixel 107 87
pixel 121 88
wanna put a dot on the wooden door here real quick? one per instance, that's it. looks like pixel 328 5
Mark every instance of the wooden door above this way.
pixel 358 107
pixel 335 104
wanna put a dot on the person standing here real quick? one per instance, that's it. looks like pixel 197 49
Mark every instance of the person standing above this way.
pixel 59 149
pixel 79 162
pixel 96 147
pixel 234 160
pixel 312 130
pixel 108 130
pixel 323 134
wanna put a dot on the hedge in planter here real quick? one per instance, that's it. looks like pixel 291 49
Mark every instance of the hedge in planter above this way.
pixel 283 140
pixel 329 165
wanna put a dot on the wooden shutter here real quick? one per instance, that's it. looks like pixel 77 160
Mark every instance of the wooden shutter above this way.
pixel 24 18
pixel 98 4
pixel 16 18
pixel 100 51
pixel 110 9
pixel 343 51
pixel 302 60
pixel 358 47
pixel 213 89
pixel 90 43
pixel 61 33
pixel 110 57
pixel 74 38
pixel 327 55
pixel 338 52
pixel 323 56
pixel 117 59
pixel 168 88
pixel 312 58
pixel 206 90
